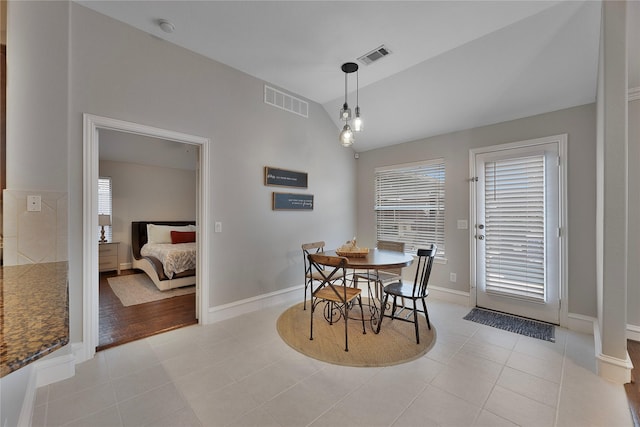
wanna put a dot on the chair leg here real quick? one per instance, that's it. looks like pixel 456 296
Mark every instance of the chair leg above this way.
pixel 304 304
pixel 426 313
pixel 312 310
pixel 382 308
pixel 415 320
pixel 346 337
pixel 364 331
pixel 393 308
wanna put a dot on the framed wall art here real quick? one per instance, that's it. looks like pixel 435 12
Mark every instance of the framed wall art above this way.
pixel 284 178
pixel 292 202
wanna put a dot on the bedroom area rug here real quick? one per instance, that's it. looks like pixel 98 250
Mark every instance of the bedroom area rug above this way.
pixel 395 344
pixel 511 323
pixel 134 289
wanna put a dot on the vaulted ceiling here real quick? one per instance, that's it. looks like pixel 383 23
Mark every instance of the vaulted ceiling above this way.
pixel 453 64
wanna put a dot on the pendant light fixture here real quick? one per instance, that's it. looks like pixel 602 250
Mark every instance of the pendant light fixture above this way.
pixel 347 137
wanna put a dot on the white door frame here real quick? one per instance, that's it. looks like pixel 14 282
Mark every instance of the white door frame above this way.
pixel 91 125
pixel 561 140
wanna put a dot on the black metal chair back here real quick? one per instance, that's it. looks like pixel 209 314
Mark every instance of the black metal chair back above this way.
pixel 425 262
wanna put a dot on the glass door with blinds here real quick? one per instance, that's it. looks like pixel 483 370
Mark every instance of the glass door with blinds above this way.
pixel 517 234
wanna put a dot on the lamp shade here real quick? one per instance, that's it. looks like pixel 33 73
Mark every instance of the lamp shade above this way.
pixel 104 219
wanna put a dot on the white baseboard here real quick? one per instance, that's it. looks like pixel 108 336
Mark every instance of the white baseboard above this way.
pixel 44 372
pixel 126 266
pixel 580 323
pixel 227 311
pixel 450 295
pixel 633 332
pixel 26 413
pixel 59 368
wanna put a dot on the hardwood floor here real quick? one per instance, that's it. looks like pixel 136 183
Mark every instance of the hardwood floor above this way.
pixel 118 324
pixel 633 388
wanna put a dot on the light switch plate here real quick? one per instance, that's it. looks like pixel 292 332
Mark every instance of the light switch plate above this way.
pixel 217 227
pixel 463 224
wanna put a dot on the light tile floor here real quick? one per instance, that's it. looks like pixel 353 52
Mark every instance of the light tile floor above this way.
pixel 239 373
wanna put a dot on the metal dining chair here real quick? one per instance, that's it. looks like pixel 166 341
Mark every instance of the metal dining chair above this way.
pixel 309 275
pixel 414 292
pixel 338 298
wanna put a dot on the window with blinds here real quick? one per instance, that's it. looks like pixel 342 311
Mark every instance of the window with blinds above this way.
pixel 409 204
pixel 104 204
pixel 515 227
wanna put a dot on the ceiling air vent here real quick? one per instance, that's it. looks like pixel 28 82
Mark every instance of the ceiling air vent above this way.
pixel 374 55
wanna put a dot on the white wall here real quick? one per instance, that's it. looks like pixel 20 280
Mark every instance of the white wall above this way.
pixel 147 193
pixel 171 88
pixel 73 61
pixel 577 122
pixel 633 266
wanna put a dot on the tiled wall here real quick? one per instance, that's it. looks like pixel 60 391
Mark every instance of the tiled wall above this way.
pixel 34 237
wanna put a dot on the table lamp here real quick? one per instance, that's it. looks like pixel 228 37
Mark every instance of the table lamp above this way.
pixel 102 221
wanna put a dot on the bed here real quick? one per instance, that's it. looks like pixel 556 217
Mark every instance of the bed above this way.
pixel 169 265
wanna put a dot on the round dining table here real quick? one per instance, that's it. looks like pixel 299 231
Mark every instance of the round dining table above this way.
pixel 376 259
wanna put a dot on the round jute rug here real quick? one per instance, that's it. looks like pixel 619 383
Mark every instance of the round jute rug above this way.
pixel 395 344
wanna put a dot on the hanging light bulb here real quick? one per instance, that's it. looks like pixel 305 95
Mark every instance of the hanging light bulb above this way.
pixel 346 136
pixel 345 112
pixel 357 122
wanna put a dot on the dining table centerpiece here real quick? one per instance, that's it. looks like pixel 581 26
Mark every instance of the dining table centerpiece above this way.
pixel 351 249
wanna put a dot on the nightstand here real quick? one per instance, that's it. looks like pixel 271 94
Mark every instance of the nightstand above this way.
pixel 108 256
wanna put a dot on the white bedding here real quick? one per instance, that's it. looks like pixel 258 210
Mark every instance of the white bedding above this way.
pixel 175 258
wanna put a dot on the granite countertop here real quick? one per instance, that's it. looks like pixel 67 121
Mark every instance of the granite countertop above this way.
pixel 34 313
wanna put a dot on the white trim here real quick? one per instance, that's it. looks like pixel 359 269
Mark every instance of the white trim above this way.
pixel 562 141
pixel 580 323
pixel 91 125
pixel 633 332
pixel 26 412
pixel 44 372
pixel 633 94
pixel 608 367
pixel 49 371
pixel 449 295
pixel 236 308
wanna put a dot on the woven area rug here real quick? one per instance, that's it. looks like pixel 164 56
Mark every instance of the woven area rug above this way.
pixel 511 323
pixel 395 344
pixel 133 289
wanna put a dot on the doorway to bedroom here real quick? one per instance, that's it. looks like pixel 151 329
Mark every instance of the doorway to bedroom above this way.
pixel 157 175
pixel 143 178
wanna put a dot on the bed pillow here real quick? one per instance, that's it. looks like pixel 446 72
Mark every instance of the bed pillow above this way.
pixel 182 236
pixel 162 233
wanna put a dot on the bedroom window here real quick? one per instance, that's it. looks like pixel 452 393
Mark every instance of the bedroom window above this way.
pixel 409 204
pixel 104 204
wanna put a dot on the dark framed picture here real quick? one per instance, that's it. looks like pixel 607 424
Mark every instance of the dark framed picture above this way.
pixel 284 178
pixel 292 202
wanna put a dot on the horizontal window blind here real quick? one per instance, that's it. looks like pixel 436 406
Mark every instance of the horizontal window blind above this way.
pixel 515 227
pixel 104 204
pixel 409 205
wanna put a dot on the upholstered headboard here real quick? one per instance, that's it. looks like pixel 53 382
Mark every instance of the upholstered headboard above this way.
pixel 139 233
